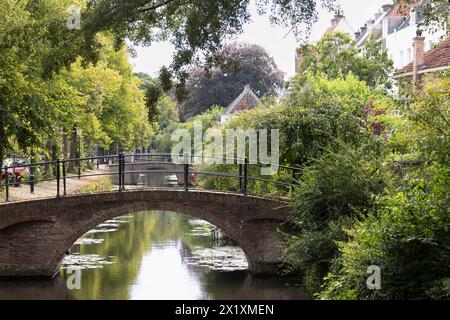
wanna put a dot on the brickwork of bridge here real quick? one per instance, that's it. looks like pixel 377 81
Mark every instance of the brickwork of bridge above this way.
pixel 35 235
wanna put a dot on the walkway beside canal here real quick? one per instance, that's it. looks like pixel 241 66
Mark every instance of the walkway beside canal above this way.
pixel 48 188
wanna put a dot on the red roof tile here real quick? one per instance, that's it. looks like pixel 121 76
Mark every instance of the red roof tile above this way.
pixel 434 58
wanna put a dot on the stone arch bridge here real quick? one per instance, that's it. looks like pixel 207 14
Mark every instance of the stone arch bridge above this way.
pixel 35 235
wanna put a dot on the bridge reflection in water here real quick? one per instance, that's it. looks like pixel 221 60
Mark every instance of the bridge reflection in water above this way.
pixel 154 255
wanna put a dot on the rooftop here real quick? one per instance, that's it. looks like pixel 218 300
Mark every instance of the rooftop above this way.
pixel 435 58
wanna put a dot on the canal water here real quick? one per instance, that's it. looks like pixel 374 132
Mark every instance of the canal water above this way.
pixel 154 255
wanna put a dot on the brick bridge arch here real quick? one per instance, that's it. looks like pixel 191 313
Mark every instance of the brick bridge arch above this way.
pixel 35 235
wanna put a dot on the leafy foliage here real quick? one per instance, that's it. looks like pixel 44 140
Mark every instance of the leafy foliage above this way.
pixel 407 236
pixel 325 206
pixel 406 231
pixel 38 111
pixel 336 55
pixel 317 114
pixel 167 123
pixel 429 112
pixel 152 96
pixel 196 28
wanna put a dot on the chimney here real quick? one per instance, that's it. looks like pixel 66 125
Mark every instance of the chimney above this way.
pixel 333 22
pixel 386 7
pixel 419 51
pixel 337 18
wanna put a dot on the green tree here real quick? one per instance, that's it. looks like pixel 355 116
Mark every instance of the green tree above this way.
pixel 333 191
pixel 196 28
pixel 167 123
pixel 246 64
pixel 317 113
pixel 152 95
pixel 336 55
pixel 26 42
pixel 109 107
pixel 428 118
pixel 411 219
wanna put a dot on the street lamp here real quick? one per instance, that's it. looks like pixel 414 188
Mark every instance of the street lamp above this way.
pixel 79 131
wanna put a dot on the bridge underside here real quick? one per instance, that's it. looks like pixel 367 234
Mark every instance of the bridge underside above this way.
pixel 35 235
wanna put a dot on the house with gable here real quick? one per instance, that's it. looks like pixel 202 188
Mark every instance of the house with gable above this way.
pixel 246 100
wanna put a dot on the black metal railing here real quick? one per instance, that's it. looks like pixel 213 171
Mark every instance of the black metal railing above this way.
pixel 57 171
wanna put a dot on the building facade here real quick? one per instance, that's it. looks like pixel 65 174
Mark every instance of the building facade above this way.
pixel 396 26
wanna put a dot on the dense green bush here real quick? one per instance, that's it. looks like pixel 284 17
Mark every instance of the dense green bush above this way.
pixel 318 112
pixel 332 191
pixel 408 236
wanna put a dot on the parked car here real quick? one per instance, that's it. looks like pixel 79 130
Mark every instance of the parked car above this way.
pixel 18 170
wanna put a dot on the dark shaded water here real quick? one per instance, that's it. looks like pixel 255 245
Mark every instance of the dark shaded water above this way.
pixel 153 255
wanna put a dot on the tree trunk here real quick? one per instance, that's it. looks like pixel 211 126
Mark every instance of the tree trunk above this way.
pixel 64 149
pixel 3 140
pixel 73 150
pixel 49 146
pixel 2 144
pixel 2 154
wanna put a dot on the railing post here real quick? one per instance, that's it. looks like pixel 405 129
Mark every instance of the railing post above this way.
pixel 6 184
pixel 119 175
pixel 79 168
pixel 240 178
pixel 58 178
pixel 64 178
pixel 186 172
pixel 121 172
pixel 98 163
pixel 32 177
pixel 245 176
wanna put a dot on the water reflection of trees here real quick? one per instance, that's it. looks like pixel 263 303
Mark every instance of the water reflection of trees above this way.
pixel 148 230
pixel 128 246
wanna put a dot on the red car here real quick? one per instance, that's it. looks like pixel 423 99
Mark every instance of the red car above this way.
pixel 17 172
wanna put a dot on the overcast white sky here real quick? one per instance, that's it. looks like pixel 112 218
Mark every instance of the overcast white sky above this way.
pixel 272 38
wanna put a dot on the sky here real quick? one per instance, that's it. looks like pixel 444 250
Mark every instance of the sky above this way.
pixel 277 41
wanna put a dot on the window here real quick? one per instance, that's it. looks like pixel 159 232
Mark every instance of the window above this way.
pixel 412 17
pixel 408 56
pixel 401 59
pixel 385 27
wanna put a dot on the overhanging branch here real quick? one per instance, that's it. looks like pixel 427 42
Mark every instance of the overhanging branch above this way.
pixel 156 6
